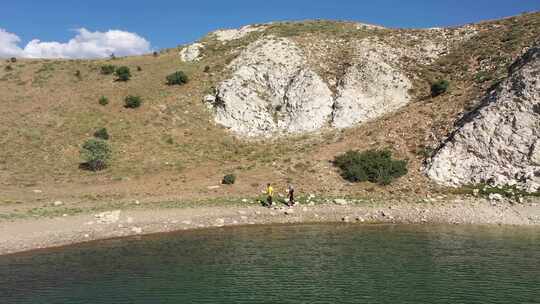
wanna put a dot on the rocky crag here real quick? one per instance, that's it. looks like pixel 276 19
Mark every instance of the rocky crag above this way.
pixel 499 143
pixel 279 85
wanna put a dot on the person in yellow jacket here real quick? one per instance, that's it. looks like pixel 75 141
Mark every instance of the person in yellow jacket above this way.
pixel 270 194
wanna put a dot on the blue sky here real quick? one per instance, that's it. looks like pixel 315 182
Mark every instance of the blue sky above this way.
pixel 167 23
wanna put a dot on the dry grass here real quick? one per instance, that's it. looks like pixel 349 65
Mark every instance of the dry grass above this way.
pixel 170 147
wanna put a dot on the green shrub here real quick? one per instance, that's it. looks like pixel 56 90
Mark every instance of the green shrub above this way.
pixel 439 87
pixel 372 165
pixel 123 73
pixel 8 68
pixel 102 134
pixel 229 179
pixel 107 69
pixel 132 102
pixel 96 153
pixel 177 78
pixel 103 101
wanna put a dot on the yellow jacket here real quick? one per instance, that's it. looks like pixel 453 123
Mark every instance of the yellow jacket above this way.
pixel 270 191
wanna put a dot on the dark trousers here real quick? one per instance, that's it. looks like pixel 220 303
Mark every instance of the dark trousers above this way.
pixel 291 197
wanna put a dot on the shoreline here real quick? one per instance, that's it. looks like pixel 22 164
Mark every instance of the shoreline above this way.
pixel 22 235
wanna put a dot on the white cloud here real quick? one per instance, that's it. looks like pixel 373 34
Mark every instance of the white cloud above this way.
pixel 8 44
pixel 85 44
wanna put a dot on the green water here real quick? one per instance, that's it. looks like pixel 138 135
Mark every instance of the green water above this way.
pixel 287 264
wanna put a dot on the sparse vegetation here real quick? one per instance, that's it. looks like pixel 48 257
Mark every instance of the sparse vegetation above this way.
pixel 96 153
pixel 103 101
pixel 439 87
pixel 229 179
pixel 132 102
pixel 108 69
pixel 372 165
pixel 102 134
pixel 177 78
pixel 123 73
pixel 8 68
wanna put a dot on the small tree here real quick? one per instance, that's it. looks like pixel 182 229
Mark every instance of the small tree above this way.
pixel 372 165
pixel 107 69
pixel 102 134
pixel 439 87
pixel 103 101
pixel 229 179
pixel 132 102
pixel 96 153
pixel 123 73
pixel 177 78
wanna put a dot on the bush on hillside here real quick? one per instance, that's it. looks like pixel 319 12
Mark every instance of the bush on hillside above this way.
pixel 177 78
pixel 123 73
pixel 107 69
pixel 8 68
pixel 229 179
pixel 103 101
pixel 96 153
pixel 439 87
pixel 132 102
pixel 102 134
pixel 372 165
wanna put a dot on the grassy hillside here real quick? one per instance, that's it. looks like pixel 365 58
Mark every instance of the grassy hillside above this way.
pixel 170 147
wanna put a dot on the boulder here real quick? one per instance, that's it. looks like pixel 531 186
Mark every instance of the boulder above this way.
pixel 340 201
pixel 108 217
pixel 191 52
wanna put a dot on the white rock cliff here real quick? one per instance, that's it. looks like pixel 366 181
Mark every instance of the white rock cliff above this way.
pixel 274 91
pixel 499 143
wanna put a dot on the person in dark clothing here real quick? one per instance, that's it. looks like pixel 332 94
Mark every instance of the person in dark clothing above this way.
pixel 290 190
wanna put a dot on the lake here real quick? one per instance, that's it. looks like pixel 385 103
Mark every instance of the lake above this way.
pixel 319 263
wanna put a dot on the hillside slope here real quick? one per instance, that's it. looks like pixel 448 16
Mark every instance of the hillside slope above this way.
pixel 173 148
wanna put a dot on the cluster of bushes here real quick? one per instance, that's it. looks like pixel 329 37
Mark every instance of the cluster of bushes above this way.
pixel 439 87
pixel 373 165
pixel 108 69
pixel 102 134
pixel 96 153
pixel 122 73
pixel 229 179
pixel 177 78
pixel 132 102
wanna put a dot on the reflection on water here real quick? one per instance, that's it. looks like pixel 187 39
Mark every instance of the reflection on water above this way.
pixel 287 264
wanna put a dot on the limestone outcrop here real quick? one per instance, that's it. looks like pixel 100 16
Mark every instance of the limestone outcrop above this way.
pixel 499 143
pixel 274 90
pixel 191 52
